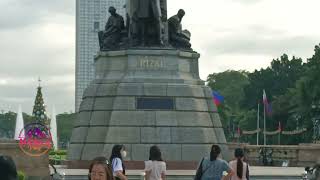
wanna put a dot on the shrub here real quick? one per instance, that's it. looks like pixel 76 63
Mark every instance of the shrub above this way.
pixel 21 175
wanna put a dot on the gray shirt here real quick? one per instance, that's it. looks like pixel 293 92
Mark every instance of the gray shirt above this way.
pixel 213 170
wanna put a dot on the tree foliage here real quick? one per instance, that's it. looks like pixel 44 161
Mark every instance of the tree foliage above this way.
pixel 230 85
pixel 292 86
pixel 65 125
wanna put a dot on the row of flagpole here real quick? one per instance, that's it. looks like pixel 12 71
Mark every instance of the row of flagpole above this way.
pixel 265 108
pixel 19 128
pixel 218 99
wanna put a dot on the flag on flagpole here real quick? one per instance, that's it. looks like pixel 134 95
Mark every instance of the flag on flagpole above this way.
pixel 217 98
pixel 279 127
pixel 267 106
pixel 264 97
pixel 239 131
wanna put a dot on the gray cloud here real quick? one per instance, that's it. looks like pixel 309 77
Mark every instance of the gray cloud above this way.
pixel 246 1
pixel 21 13
pixel 33 43
pixel 59 95
pixel 258 40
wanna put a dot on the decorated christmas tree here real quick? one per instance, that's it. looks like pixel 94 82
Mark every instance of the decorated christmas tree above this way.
pixel 39 108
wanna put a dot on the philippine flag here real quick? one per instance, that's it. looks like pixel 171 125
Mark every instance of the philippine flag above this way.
pixel 267 106
pixel 217 98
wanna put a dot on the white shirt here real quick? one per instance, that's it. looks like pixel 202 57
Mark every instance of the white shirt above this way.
pixel 156 168
pixel 116 165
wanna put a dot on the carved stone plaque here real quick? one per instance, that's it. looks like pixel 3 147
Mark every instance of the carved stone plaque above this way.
pixel 149 62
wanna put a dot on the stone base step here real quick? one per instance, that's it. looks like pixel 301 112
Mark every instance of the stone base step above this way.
pixel 256 173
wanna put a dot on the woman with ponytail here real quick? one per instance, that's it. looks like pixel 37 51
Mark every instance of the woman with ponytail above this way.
pixel 213 168
pixel 239 166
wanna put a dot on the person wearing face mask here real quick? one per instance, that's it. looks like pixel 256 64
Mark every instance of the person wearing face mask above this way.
pixel 116 158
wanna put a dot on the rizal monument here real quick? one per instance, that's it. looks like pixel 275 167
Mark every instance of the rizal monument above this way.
pixel 147 91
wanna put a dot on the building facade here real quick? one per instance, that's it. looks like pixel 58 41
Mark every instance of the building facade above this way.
pixel 91 17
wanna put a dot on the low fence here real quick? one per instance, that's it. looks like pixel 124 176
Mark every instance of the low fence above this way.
pixel 294 155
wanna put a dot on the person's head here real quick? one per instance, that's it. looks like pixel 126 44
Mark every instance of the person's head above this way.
pixel 239 154
pixel 112 10
pixel 100 169
pixel 155 154
pixel 118 151
pixel 215 152
pixel 8 168
pixel 181 13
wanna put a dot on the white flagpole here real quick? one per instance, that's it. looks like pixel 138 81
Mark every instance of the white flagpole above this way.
pixel 258 122
pixel 264 126
pixel 279 128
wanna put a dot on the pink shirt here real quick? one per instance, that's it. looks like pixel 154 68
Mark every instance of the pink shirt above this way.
pixel 233 166
pixel 156 168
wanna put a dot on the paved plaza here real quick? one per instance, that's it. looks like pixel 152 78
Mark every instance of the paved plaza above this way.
pixel 256 173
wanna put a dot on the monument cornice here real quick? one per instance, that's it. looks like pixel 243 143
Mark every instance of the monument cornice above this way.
pixel 149 51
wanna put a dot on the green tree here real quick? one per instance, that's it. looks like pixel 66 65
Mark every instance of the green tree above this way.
pixel 308 90
pixel 291 85
pixel 276 79
pixel 64 126
pixel 230 85
pixel 7 124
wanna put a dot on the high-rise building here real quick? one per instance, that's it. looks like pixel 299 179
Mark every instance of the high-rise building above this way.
pixel 91 17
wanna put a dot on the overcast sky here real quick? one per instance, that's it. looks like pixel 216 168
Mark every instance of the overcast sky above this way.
pixel 37 38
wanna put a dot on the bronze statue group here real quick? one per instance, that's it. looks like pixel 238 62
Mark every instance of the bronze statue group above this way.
pixel 146 26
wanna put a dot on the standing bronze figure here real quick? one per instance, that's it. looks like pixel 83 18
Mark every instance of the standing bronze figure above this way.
pixel 147 17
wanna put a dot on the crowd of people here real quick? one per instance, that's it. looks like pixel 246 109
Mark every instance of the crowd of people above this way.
pixel 209 168
pixel 102 168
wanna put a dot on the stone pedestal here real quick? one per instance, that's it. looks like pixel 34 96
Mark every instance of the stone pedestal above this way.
pixel 144 97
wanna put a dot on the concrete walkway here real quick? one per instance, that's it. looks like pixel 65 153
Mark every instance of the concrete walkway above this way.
pixel 256 172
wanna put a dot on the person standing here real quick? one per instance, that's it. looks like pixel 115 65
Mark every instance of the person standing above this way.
pixel 116 158
pixel 155 167
pixel 239 166
pixel 146 21
pixel 100 169
pixel 213 168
